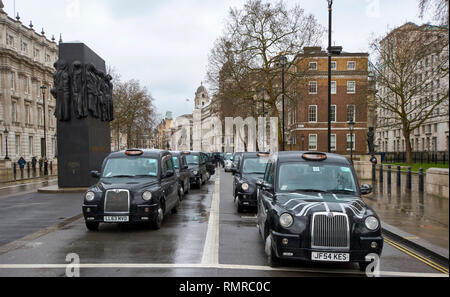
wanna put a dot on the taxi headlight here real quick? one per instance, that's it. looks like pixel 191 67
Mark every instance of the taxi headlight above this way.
pixel 244 186
pixel 372 223
pixel 286 220
pixel 195 172
pixel 147 195
pixel 89 196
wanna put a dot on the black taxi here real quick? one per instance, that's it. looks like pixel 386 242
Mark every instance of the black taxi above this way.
pixel 310 208
pixel 134 186
pixel 196 162
pixel 182 170
pixel 251 168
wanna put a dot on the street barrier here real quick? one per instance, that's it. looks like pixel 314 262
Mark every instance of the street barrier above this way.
pixel 409 174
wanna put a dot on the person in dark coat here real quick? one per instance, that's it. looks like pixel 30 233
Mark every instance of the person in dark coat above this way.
pixel 33 162
pixel 41 162
pixel 22 163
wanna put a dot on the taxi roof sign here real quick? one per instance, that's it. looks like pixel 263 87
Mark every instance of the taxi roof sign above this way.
pixel 134 152
pixel 263 154
pixel 314 156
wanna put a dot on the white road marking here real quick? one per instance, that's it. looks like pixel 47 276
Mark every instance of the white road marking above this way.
pixel 216 266
pixel 19 185
pixel 211 247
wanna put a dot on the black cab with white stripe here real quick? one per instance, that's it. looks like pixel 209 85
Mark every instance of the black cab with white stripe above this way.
pixel 310 208
pixel 135 186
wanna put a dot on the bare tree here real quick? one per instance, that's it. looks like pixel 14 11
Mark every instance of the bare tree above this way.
pixel 441 10
pixel 246 57
pixel 410 63
pixel 133 111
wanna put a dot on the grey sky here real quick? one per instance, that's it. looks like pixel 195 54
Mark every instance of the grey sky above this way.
pixel 165 43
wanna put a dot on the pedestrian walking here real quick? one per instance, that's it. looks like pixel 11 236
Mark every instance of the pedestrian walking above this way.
pixel 33 162
pixel 21 163
pixel 41 163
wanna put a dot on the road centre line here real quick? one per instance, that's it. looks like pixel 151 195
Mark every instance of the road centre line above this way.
pixel 211 247
pixel 212 266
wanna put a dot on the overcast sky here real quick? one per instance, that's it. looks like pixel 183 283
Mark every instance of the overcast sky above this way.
pixel 165 43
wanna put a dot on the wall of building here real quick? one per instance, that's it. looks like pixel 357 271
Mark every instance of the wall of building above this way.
pixel 26 63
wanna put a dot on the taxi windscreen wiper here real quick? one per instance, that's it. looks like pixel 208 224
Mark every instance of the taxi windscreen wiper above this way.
pixel 341 191
pixel 309 190
pixel 123 175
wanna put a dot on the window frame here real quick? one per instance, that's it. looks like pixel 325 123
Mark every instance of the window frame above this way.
pixel 309 142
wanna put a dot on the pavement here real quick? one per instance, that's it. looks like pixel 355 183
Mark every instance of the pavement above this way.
pixel 207 237
pixel 414 218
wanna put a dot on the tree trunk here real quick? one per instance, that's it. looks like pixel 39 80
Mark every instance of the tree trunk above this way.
pixel 408 148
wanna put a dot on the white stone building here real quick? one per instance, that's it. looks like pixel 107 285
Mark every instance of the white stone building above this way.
pixel 433 134
pixel 205 129
pixel 26 64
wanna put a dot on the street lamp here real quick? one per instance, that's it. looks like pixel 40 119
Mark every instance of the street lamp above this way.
pixel 6 132
pixel 332 50
pixel 43 88
pixel 282 60
pixel 351 125
pixel 303 142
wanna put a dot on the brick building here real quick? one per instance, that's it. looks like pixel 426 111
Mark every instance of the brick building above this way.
pixel 306 117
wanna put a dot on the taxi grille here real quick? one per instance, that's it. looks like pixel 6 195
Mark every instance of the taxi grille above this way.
pixel 330 232
pixel 117 201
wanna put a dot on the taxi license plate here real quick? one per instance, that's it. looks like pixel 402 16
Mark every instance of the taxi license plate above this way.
pixel 331 257
pixel 115 219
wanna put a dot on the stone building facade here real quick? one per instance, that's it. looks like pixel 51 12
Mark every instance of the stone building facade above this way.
pixel 433 134
pixel 26 64
pixel 307 117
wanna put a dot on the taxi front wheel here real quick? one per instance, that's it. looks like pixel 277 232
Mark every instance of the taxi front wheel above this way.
pixel 92 226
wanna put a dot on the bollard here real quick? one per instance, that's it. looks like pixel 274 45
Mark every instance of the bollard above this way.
pixel 399 176
pixel 389 175
pixel 15 171
pixel 28 169
pixel 374 172
pixel 21 172
pixel 51 167
pixel 421 180
pixel 381 173
pixel 408 178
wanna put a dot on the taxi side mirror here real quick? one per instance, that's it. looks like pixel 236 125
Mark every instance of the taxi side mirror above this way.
pixel 185 167
pixel 95 174
pixel 169 173
pixel 366 189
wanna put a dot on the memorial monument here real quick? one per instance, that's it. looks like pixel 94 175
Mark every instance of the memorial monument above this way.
pixel 84 108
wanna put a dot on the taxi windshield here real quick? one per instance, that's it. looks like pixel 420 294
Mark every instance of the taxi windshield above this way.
pixel 192 159
pixel 254 165
pixel 316 177
pixel 175 162
pixel 131 167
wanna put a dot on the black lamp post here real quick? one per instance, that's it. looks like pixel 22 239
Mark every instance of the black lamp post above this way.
pixel 303 142
pixel 332 50
pixel 6 132
pixel 351 125
pixel 282 60
pixel 43 88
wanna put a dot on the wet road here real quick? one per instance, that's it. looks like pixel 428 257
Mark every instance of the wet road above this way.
pixel 207 237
